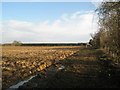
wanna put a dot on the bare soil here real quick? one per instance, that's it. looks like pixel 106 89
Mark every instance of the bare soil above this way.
pixel 87 68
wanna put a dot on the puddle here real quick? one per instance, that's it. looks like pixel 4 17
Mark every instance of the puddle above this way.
pixel 20 83
pixel 13 87
pixel 62 67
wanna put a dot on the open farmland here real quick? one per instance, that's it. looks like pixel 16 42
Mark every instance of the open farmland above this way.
pixel 19 63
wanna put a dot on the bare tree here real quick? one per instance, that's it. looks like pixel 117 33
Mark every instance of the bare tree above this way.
pixel 16 43
pixel 108 35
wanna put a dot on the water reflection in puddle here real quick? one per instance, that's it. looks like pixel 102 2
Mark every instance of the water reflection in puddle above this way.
pixel 25 81
pixel 62 67
pixel 20 83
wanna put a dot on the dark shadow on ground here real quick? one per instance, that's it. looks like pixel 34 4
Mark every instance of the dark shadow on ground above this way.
pixel 82 70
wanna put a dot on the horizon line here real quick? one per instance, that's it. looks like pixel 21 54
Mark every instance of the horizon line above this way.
pixel 40 42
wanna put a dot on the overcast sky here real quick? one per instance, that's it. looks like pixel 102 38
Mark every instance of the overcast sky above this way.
pixel 48 21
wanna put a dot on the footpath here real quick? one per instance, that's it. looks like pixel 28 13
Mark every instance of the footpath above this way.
pixel 88 68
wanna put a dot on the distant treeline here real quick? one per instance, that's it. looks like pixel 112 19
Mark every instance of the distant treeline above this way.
pixel 54 44
pixel 45 44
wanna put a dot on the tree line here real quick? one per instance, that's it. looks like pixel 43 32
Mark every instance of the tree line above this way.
pixel 108 35
pixel 19 43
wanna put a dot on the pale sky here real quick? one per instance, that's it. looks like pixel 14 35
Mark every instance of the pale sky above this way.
pixel 48 21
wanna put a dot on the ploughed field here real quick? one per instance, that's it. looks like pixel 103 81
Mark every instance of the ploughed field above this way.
pixel 20 62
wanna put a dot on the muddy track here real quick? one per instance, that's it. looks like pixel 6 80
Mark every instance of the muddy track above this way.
pixel 81 70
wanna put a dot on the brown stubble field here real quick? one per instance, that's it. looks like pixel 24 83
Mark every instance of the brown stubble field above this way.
pixel 20 62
